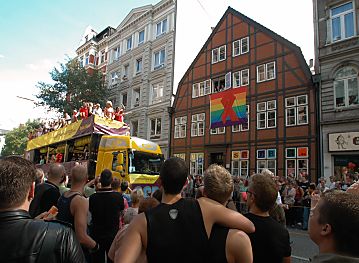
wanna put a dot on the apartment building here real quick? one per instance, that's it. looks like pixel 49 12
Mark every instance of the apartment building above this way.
pixel 336 26
pixel 140 69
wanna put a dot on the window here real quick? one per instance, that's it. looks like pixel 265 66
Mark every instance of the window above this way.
pixel 240 163
pixel 86 58
pixel 266 114
pixel 266 158
pixel 180 155
pixel 157 93
pixel 161 27
pixel 240 46
pixel 196 164
pixel 180 127
pixel 138 65
pixel 266 72
pixel 342 21
pixel 159 58
pixel 102 56
pixel 244 126
pixel 81 61
pixel 241 78
pixel 296 110
pixel 125 72
pixel 219 130
pixel 114 77
pixel 141 37
pixel 124 99
pixel 296 161
pixel 134 128
pixel 219 84
pixel 129 43
pixel 218 54
pixel 197 128
pixel 201 88
pixel 136 98
pixel 346 88
pixel 155 128
pixel 116 53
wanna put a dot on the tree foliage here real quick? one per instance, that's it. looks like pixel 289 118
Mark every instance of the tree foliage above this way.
pixel 72 85
pixel 16 139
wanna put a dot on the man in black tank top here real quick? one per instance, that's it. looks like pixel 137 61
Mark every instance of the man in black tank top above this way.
pixel 105 207
pixel 166 232
pixel 225 245
pixel 73 208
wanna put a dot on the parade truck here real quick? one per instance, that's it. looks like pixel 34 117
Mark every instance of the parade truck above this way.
pixel 100 143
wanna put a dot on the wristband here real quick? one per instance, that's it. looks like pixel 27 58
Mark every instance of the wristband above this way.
pixel 95 248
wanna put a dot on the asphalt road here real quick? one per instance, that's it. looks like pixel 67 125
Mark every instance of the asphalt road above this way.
pixel 303 247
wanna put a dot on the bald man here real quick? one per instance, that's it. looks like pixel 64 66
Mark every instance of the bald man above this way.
pixel 47 194
pixel 73 209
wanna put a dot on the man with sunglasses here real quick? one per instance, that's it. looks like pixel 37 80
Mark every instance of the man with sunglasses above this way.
pixel 270 241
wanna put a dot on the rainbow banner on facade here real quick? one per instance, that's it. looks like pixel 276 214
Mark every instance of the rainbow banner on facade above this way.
pixel 228 108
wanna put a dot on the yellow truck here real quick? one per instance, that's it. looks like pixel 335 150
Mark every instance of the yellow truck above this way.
pixel 99 143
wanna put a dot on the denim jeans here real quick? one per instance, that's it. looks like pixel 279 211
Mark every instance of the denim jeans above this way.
pixel 305 217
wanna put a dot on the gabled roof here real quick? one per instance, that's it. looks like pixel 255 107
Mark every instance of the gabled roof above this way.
pixel 258 26
pixel 134 13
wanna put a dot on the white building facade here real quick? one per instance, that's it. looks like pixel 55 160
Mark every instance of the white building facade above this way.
pixel 140 70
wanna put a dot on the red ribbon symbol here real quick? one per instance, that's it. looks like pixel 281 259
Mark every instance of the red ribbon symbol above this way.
pixel 227 103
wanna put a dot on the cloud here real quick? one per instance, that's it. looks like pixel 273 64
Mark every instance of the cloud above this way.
pixel 42 65
pixel 2 56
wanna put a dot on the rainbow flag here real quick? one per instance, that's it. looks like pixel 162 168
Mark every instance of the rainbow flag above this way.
pixel 228 107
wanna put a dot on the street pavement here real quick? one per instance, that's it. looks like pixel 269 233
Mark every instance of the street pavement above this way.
pixel 303 248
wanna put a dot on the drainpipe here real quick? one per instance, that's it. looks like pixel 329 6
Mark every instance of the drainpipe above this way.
pixel 170 111
pixel 318 108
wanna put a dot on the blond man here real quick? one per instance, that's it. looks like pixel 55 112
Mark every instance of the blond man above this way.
pixel 225 245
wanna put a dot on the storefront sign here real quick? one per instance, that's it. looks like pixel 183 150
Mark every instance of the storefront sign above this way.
pixel 346 141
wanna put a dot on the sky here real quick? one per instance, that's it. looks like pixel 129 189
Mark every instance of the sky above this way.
pixel 38 35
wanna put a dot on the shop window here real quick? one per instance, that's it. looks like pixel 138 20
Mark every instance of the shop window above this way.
pixel 196 164
pixel 240 163
pixel 296 161
pixel 266 159
pixel 180 155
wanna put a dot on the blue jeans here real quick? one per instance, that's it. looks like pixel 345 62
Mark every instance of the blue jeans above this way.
pixel 305 217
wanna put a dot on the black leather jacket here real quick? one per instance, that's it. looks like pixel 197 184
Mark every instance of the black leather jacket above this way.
pixel 21 239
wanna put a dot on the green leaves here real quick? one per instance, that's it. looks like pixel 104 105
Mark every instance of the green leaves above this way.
pixel 16 139
pixel 72 85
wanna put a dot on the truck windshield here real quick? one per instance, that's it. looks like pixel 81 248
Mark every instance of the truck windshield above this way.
pixel 145 163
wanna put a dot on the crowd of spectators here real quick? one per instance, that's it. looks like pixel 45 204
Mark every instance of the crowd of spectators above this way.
pixel 294 194
pixel 86 110
pixel 114 222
